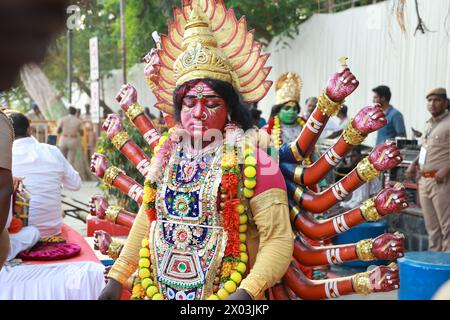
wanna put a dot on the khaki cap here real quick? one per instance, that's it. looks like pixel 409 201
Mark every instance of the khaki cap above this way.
pixel 437 92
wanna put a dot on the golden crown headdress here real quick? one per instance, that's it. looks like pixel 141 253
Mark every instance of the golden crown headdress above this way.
pixel 206 40
pixel 288 88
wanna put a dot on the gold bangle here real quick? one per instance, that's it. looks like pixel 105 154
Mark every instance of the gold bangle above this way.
pixel 352 135
pixel 295 152
pixel 134 111
pixel 111 175
pixel 328 106
pixel 116 275
pixel 369 211
pixel 364 250
pixel 361 283
pixel 112 213
pixel 114 250
pixel 298 174
pixel 298 195
pixel 293 213
pixel 366 170
pixel 120 139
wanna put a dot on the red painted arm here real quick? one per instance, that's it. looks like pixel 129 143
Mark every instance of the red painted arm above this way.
pixel 305 288
pixel 122 141
pixel 99 207
pixel 127 98
pixel 387 201
pixel 368 119
pixel 279 292
pixel 340 85
pixel 104 243
pixel 386 246
pixel 380 279
pixel 320 230
pixel 321 202
pixel 383 157
pixel 115 177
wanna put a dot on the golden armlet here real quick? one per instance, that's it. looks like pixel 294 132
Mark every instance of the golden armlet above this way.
pixel 111 174
pixel 361 283
pixel 134 111
pixel 112 212
pixel 364 250
pixel 327 106
pixel 366 170
pixel 369 211
pixel 352 135
pixel 114 250
pixel 120 139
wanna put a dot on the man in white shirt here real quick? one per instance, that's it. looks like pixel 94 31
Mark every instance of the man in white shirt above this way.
pixel 45 171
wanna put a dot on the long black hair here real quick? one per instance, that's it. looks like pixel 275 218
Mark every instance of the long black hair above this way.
pixel 238 111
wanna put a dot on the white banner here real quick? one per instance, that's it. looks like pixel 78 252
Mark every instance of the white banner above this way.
pixel 95 101
pixel 93 58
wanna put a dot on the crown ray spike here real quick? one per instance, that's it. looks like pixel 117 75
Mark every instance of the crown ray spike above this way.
pixel 205 40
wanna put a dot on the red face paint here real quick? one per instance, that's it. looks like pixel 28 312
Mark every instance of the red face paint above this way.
pixel 203 109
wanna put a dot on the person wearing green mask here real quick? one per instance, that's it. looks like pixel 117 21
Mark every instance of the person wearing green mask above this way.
pixel 285 124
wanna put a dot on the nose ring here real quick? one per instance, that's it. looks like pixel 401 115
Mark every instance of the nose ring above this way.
pixel 204 116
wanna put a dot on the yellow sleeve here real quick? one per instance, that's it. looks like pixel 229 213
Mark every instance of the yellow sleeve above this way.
pixel 270 212
pixel 128 260
pixel 6 142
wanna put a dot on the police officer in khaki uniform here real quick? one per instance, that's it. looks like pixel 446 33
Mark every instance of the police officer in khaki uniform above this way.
pixel 71 129
pixel 6 182
pixel 434 170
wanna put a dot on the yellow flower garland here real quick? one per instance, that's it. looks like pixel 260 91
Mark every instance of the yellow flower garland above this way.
pixel 276 131
pixel 277 135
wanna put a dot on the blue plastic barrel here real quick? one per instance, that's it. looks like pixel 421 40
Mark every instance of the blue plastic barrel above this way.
pixel 422 273
pixel 360 232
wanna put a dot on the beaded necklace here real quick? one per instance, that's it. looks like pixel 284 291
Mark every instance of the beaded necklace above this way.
pixel 234 221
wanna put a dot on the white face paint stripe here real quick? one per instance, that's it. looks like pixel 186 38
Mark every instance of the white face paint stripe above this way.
pixel 327 290
pixel 341 224
pixel 333 257
pixel 143 166
pixel 338 256
pixel 339 191
pixel 335 287
pixel 336 226
pixel 310 127
pixel 151 136
pixel 315 123
pixel 332 157
pixel 344 224
pixel 329 157
pixel 336 194
pixel 335 154
pixel 329 253
pixel 135 192
pixel 342 189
